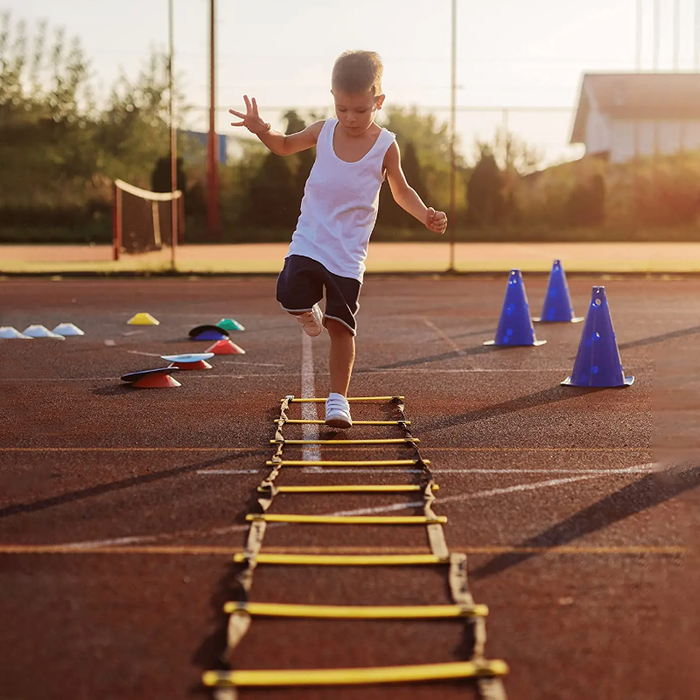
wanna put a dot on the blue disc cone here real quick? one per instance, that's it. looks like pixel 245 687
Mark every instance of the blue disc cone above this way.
pixel 515 325
pixel 598 362
pixel 557 306
pixel 210 335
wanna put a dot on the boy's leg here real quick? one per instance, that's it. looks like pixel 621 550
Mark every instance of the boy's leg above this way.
pixel 342 295
pixel 299 289
pixel 342 356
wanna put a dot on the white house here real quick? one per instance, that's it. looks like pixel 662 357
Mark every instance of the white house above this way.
pixel 623 115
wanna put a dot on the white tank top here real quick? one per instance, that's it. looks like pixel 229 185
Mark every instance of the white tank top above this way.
pixel 340 204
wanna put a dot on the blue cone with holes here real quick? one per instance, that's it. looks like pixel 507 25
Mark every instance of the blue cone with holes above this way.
pixel 515 325
pixel 598 362
pixel 557 306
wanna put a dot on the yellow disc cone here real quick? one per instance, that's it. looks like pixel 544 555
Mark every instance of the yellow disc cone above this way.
pixel 143 319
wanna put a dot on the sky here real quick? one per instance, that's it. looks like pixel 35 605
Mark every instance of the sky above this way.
pixel 524 55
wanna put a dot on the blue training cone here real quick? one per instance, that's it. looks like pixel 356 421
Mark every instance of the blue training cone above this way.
pixel 557 306
pixel 598 362
pixel 515 325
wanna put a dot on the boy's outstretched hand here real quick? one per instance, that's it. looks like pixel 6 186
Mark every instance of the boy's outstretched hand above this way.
pixel 436 221
pixel 251 119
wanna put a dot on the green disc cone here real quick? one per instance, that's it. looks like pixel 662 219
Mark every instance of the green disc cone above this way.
pixel 228 324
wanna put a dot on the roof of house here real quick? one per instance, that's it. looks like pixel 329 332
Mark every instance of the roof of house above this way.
pixel 637 96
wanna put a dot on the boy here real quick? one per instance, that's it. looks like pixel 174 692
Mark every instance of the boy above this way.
pixel 338 211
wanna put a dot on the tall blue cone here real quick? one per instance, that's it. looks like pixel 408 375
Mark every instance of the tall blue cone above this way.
pixel 598 362
pixel 515 325
pixel 557 302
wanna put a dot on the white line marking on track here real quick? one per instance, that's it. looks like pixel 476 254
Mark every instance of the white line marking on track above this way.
pixel 363 511
pixel 460 370
pixel 308 391
pixel 243 362
pixel 444 336
pixel 192 375
pixel 639 469
pixel 514 489
pixel 467 370
pixel 208 472
pixel 147 354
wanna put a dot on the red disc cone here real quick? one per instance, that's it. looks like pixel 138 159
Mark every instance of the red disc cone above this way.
pixel 201 364
pixel 157 381
pixel 226 347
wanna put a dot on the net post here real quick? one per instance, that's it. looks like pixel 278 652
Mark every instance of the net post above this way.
pixel 116 222
pixel 181 220
pixel 174 226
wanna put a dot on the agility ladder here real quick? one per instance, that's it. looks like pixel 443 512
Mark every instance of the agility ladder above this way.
pixel 487 673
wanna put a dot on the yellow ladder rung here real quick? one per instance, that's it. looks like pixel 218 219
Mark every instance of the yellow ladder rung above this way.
pixel 345 560
pixel 346 463
pixel 355 676
pixel 370 612
pixel 374 441
pixel 348 519
pixel 355 422
pixel 350 398
pixel 350 488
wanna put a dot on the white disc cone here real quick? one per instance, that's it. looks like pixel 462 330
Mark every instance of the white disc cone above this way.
pixel 67 329
pixel 37 331
pixel 10 333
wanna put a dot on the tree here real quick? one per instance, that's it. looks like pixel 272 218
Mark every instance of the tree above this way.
pixel 485 190
pixel 302 162
pixel 390 213
pixel 425 153
pixel 45 112
pixel 63 150
pixel 587 202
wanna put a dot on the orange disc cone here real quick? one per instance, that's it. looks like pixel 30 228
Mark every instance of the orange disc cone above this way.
pixel 159 381
pixel 200 364
pixel 226 347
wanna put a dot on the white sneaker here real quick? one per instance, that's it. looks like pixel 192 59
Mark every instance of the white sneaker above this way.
pixel 338 412
pixel 311 321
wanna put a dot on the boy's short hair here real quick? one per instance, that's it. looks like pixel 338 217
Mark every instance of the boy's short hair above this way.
pixel 358 71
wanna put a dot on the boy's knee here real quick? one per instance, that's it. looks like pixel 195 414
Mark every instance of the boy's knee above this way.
pixel 336 327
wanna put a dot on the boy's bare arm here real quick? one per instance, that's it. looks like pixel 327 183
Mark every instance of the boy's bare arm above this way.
pixel 406 197
pixel 281 144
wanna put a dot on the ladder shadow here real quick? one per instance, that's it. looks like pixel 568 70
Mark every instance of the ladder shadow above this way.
pixel 647 492
pixel 211 654
pixel 103 489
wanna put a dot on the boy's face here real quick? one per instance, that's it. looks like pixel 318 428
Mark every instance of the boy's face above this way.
pixel 356 111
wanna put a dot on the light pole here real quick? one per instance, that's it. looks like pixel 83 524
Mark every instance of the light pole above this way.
pixel 453 99
pixel 657 33
pixel 676 33
pixel 213 228
pixel 174 224
pixel 696 37
pixel 638 52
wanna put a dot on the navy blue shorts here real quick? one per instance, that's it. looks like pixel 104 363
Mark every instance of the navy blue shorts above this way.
pixel 301 283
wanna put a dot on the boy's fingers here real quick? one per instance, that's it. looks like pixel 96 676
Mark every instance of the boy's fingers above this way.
pixel 255 107
pixel 236 114
pixel 247 102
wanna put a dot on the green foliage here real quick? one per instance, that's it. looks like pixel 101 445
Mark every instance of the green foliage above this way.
pixel 61 151
pixel 486 203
